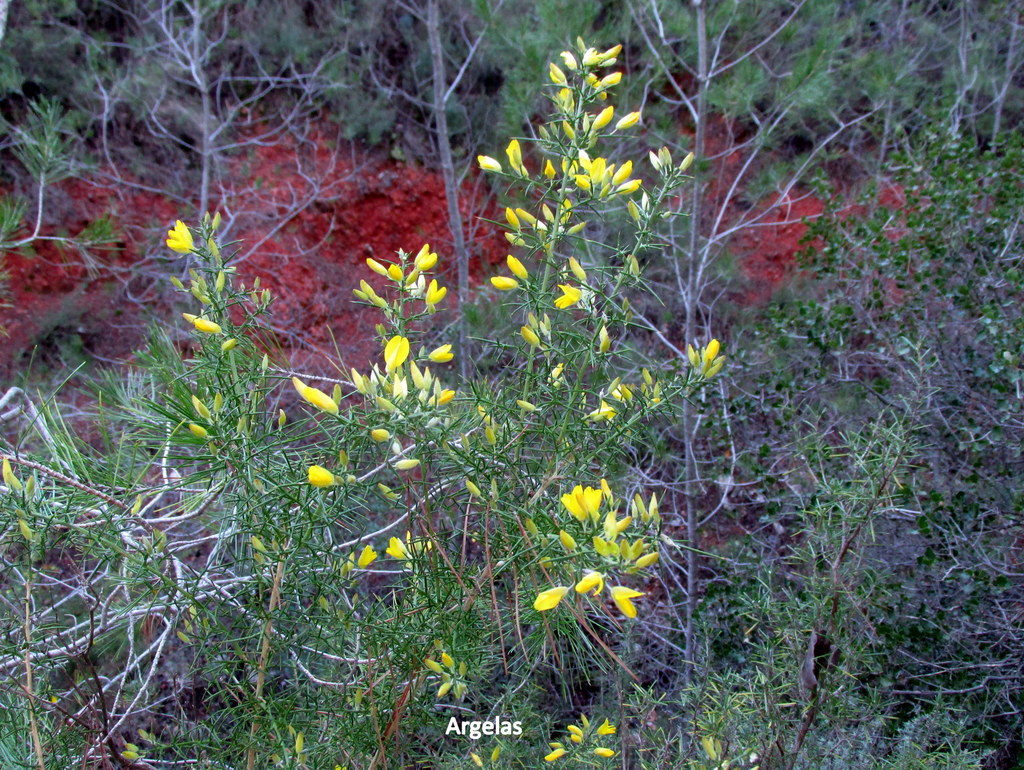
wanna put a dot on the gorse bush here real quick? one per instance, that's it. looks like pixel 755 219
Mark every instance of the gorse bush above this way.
pixel 252 566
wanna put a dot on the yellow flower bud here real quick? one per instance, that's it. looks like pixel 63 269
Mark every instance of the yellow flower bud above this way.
pixel 515 157
pixel 317 398
pixel 320 476
pixel 568 541
pixel 12 481
pixel 530 336
pixel 441 355
pixel 577 270
pixel 647 560
pixel 380 434
pixel 488 163
pixel 604 117
pixel 504 283
pixel 628 121
pixel 517 267
pixel 206 325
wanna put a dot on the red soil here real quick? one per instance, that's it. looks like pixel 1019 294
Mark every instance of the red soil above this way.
pixel 305 232
pixel 311 214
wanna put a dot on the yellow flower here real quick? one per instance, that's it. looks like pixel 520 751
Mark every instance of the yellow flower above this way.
pixel 180 239
pixel 320 476
pixel 396 548
pixel 604 412
pixel 647 560
pixel 441 355
pixel 395 353
pixel 710 352
pixel 707 362
pixel 577 269
pixel 604 117
pixel 203 324
pixel 567 540
pixel 515 157
pixel 628 121
pixel 435 293
pixel 604 341
pixel 549 170
pixel 623 596
pixel 554 755
pixel 376 266
pixel 610 54
pixel 517 268
pixel 12 481
pixel 317 398
pixel 570 296
pixel 407 464
pixel 557 76
pixel 530 336
pixel 623 173
pixel 583 503
pixel 445 396
pixel 488 163
pixel 606 728
pixel 603 752
pixel 592 581
pixel 425 258
pixel 504 283
pixel 548 600
pixel 367 557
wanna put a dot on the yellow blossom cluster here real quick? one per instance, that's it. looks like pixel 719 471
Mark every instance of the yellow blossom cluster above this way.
pixel 611 554
pixel 404 550
pixel 408 279
pixel 366 557
pixel 706 362
pixel 584 175
pixel 585 738
pixel 453 676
